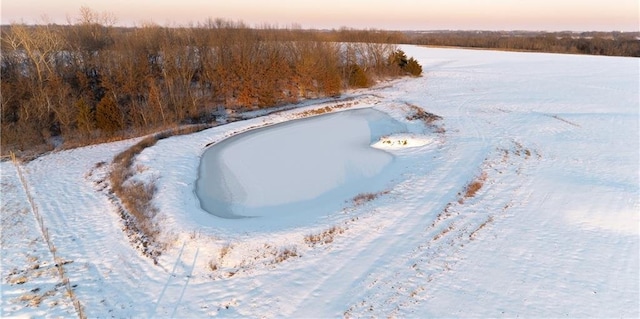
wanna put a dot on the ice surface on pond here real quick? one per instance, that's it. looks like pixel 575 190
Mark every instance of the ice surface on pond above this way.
pixel 299 167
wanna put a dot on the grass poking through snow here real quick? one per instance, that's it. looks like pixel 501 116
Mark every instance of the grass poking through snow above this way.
pixel 472 188
pixel 135 197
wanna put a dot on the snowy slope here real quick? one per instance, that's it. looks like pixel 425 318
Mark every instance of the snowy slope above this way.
pixel 549 143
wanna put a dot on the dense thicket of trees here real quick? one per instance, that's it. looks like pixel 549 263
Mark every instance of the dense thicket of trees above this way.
pixel 89 80
pixel 593 43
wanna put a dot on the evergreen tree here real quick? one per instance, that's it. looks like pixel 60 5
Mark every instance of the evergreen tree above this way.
pixel 413 67
pixel 357 77
pixel 398 58
pixel 108 116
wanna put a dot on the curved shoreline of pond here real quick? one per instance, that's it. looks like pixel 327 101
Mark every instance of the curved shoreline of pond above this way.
pixel 296 168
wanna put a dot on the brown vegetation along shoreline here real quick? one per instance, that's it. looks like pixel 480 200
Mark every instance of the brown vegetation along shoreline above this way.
pixel 91 81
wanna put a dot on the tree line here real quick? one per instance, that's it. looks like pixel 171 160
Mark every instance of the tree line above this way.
pixel 91 81
pixel 592 43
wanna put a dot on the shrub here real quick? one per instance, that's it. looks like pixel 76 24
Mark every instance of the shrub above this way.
pixel 406 65
pixel 108 115
pixel 357 77
pixel 398 58
pixel 413 67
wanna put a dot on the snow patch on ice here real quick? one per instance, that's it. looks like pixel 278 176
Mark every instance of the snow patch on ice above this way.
pixel 399 141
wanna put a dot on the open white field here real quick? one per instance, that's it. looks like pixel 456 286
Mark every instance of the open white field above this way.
pixel 523 201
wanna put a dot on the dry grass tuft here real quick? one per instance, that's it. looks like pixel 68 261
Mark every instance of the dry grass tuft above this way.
pixel 224 251
pixel 489 220
pixel 33 300
pixel 364 197
pixel 134 198
pixel 421 114
pixel 325 237
pixel 472 189
pixel 213 265
pixel 285 254
pixel 327 109
pixel 429 119
pixel 367 197
pixel 18 280
pixel 443 232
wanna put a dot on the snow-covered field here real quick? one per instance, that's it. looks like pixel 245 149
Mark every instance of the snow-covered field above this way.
pixel 522 201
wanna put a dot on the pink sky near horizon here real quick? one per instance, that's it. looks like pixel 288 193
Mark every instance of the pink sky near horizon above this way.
pixel 543 15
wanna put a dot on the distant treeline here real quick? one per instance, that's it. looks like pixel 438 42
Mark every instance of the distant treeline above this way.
pixel 90 81
pixel 594 43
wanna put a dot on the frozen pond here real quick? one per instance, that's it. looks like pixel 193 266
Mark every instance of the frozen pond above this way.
pixel 301 168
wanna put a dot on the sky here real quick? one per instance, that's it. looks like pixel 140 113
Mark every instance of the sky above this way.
pixel 541 15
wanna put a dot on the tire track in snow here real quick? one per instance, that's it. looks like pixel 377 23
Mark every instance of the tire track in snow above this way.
pixel 437 249
pixel 29 281
pixel 171 275
pixel 186 284
pixel 103 267
pixel 385 246
pixel 459 225
pixel 376 248
pixel 450 174
pixel 58 261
